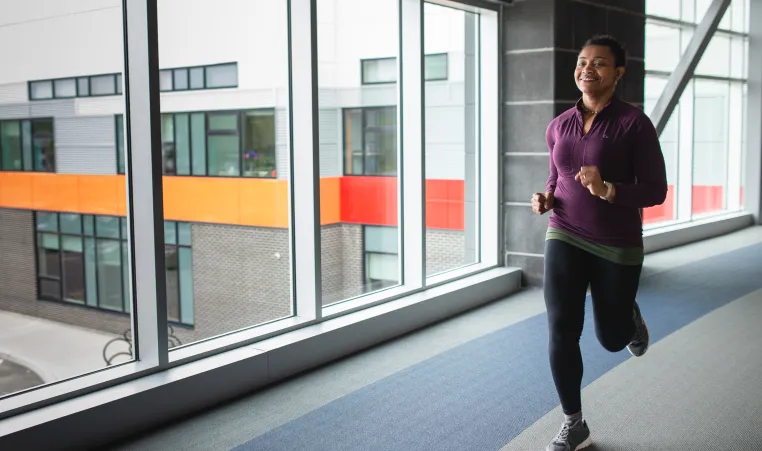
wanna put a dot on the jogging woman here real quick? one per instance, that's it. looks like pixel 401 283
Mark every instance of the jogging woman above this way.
pixel 605 165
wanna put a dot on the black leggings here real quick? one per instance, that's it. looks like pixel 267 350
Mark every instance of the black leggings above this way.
pixel 569 271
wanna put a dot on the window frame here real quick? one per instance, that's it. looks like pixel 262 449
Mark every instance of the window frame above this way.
pixel 78 94
pixel 363 78
pixel 22 142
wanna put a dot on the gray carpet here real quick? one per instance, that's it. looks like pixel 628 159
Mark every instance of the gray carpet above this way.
pixel 699 389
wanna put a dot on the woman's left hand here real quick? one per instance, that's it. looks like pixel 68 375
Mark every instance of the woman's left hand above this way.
pixel 590 177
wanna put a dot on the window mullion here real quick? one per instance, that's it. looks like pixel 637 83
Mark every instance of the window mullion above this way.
pixel 305 171
pixel 144 182
pixel 411 146
pixel 487 192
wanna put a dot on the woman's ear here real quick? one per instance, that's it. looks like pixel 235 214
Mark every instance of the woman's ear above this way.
pixel 619 73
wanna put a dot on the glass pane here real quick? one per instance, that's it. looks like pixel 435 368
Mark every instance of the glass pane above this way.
pixel 224 155
pixel 688 12
pixel 43 145
pixel 107 226
pixel 737 58
pixel 165 80
pixel 65 88
pixel 184 233
pixel 118 83
pixel 110 274
pixel 198 143
pixel 710 146
pixel 47 222
pixel 186 286
pixel 670 149
pixel 170 234
pixel 123 227
pixel 223 76
pixel 259 144
pixel 168 143
pixel 382 270
pixel 381 239
pixel 379 71
pixel 91 273
pixel 182 144
pixel 26 145
pixel 197 78
pixel 452 150
pixel 102 85
pixel 83 87
pixel 436 67
pixel 126 278
pixel 10 145
pixel 40 90
pixel 662 47
pixel 71 223
pixel 61 43
pixel 358 146
pixel 120 157
pixel 180 79
pixel 237 274
pixel 716 58
pixel 173 283
pixel 669 9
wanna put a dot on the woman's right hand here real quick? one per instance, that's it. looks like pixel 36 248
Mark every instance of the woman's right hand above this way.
pixel 542 203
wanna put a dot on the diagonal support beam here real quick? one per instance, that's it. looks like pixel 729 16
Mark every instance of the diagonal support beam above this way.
pixel 687 65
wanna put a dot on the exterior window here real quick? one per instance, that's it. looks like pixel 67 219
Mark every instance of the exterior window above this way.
pixel 120 159
pixel 199 77
pixel 43 145
pixel 384 70
pixel 81 259
pixel 381 257
pixel 68 88
pixel 27 145
pixel 370 141
pixel 222 144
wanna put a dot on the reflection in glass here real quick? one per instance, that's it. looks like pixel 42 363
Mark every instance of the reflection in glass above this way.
pixel 710 151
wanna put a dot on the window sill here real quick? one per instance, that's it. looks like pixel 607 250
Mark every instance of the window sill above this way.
pixel 673 235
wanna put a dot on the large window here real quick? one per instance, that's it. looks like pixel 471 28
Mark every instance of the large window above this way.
pixel 703 141
pixel 27 145
pixel 381 257
pixel 370 141
pixel 82 259
pixel 225 143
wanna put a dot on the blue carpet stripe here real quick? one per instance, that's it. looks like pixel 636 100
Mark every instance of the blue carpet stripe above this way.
pixel 482 394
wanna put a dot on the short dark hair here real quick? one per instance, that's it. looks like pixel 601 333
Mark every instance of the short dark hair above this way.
pixel 617 48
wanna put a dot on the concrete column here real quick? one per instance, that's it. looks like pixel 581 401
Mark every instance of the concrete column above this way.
pixel 542 40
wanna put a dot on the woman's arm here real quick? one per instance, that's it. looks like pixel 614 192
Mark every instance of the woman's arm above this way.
pixel 650 187
pixel 550 186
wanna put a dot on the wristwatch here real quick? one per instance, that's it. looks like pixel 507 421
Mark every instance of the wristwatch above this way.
pixel 608 191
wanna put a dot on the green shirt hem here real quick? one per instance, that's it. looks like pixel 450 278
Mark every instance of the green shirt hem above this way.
pixel 630 256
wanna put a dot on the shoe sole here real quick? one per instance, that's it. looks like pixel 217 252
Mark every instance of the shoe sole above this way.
pixel 584 444
pixel 648 333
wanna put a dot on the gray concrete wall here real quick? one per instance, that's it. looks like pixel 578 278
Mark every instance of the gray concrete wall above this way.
pixel 541 42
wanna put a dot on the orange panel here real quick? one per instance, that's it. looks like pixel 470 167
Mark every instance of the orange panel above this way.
pixel 263 202
pixel 55 192
pixel 99 194
pixel 15 190
pixel 207 199
pixel 330 200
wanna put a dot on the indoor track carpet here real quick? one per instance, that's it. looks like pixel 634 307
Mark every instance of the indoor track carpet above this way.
pixel 698 388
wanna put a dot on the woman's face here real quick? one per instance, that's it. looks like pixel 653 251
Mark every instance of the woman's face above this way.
pixel 596 71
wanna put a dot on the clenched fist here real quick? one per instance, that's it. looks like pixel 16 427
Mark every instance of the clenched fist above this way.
pixel 542 203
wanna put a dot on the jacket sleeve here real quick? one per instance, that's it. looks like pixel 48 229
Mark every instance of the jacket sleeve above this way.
pixel 650 187
pixel 550 186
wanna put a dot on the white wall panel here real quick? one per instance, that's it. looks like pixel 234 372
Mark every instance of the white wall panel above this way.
pixel 85 145
pixel 13 93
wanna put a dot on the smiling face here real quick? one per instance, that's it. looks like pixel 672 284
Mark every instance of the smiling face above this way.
pixel 596 72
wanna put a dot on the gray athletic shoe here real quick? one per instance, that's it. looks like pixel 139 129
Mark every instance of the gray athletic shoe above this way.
pixel 571 437
pixel 639 344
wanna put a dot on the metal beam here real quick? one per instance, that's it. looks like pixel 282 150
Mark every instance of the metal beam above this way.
pixel 687 65
pixel 753 166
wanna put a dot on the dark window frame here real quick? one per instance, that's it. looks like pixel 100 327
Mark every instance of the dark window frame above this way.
pixel 364 81
pixel 31 124
pixel 121 162
pixel 187 69
pixel 348 152
pixel 83 236
pixel 240 114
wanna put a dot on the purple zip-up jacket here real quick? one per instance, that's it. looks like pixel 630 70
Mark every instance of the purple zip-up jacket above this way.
pixel 623 144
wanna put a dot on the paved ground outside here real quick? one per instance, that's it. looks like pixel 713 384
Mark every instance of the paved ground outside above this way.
pixel 35 351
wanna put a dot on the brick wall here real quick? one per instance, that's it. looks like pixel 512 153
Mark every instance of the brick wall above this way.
pixel 18 280
pixel 445 250
pixel 342 262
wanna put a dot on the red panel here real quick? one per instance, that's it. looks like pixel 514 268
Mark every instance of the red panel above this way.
pixel 663 212
pixel 707 199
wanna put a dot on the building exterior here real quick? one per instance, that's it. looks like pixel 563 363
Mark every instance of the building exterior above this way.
pixel 225 146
